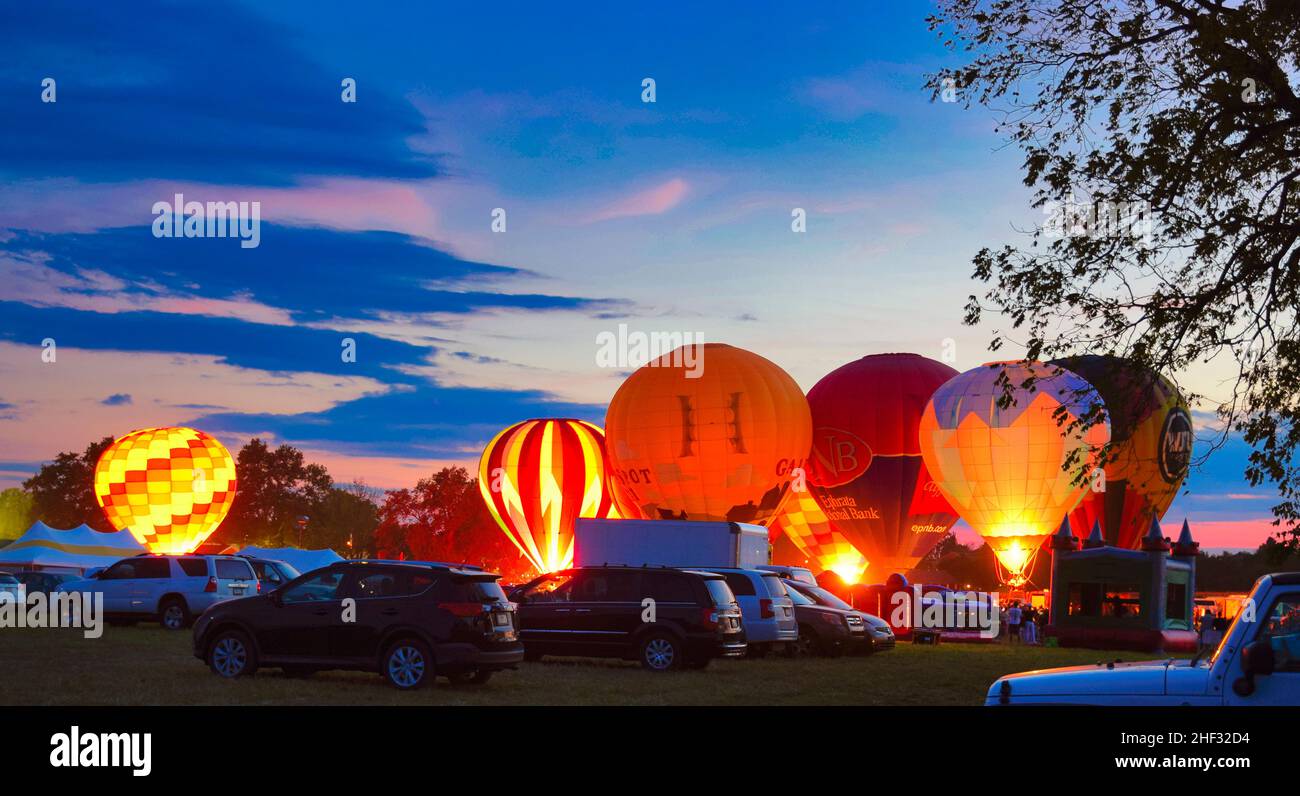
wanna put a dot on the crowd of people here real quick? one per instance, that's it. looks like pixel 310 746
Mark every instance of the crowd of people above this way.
pixel 1024 623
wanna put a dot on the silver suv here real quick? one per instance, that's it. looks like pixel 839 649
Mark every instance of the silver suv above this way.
pixel 172 589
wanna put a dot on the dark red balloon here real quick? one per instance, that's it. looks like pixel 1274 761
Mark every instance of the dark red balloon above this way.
pixel 866 470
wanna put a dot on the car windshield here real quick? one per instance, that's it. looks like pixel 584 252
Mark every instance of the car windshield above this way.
pixel 774 585
pixel 290 572
pixel 720 592
pixel 798 596
pixel 825 598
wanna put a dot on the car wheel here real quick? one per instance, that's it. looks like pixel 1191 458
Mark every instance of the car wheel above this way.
pixel 804 645
pixel 660 652
pixel 173 613
pixel 231 655
pixel 408 664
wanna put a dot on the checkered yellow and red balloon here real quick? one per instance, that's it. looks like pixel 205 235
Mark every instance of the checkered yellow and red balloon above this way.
pixel 170 487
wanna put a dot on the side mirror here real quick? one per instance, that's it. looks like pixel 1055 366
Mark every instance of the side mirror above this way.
pixel 1257 659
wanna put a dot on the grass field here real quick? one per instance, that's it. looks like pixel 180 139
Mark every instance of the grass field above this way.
pixel 146 665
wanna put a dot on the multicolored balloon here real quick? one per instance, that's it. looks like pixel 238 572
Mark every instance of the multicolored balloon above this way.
pixel 539 476
pixel 866 469
pixel 1013 472
pixel 707 432
pixel 802 521
pixel 1150 449
pixel 170 487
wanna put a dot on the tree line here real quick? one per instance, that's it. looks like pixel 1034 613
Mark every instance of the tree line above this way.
pixel 283 500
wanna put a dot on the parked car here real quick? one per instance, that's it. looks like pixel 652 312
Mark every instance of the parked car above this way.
pixel 272 574
pixel 825 630
pixel 172 589
pixel 412 622
pixel 44 582
pixel 797 574
pixel 663 617
pixel 1257 662
pixel 879 635
pixel 11 586
pixel 766 609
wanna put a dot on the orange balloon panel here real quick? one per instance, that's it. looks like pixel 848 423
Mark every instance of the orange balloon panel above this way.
pixel 1003 468
pixel 170 487
pixel 539 476
pixel 806 525
pixel 715 441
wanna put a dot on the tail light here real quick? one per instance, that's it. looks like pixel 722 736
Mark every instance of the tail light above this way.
pixel 462 609
pixel 259 587
pixel 212 585
pixel 709 616
pixel 765 609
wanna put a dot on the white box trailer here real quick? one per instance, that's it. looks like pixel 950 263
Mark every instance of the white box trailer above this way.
pixel 669 543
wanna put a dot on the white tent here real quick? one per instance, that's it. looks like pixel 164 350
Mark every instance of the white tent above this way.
pixel 301 560
pixel 77 550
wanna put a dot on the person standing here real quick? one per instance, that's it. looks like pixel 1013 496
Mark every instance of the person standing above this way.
pixel 1013 622
pixel 1204 627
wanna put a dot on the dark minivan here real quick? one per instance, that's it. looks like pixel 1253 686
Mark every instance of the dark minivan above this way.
pixel 407 621
pixel 664 618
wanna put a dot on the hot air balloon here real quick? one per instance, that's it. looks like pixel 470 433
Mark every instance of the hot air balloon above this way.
pixel 866 469
pixel 537 477
pixel 1150 449
pixel 170 487
pixel 802 521
pixel 1005 468
pixel 719 440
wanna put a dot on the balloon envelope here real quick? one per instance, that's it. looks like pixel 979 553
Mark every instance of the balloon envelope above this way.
pixel 867 473
pixel 1004 468
pixel 802 521
pixel 708 432
pixel 1150 449
pixel 170 487
pixel 539 476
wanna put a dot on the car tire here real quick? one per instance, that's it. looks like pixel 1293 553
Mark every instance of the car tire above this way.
pixel 231 655
pixel 805 645
pixel 173 614
pixel 408 664
pixel 661 652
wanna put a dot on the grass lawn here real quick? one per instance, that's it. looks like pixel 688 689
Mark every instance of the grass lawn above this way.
pixel 146 665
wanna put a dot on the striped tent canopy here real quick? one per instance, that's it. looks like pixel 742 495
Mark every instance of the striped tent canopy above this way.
pixel 78 549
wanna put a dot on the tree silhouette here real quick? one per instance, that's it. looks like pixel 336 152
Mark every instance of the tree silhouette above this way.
pixel 1162 137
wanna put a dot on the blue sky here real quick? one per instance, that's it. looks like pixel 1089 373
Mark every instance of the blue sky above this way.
pixel 670 216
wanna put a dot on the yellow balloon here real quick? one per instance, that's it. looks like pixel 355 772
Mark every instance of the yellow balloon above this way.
pixel 170 487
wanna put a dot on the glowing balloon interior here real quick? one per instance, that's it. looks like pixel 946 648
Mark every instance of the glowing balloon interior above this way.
pixel 170 487
pixel 804 523
pixel 539 476
pixel 716 441
pixel 1012 472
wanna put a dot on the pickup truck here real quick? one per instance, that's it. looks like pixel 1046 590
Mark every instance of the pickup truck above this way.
pixel 1256 663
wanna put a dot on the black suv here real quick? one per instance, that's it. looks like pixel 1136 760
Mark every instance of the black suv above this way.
pixel 665 618
pixel 406 621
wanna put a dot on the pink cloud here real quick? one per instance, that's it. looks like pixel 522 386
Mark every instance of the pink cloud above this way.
pixel 646 202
